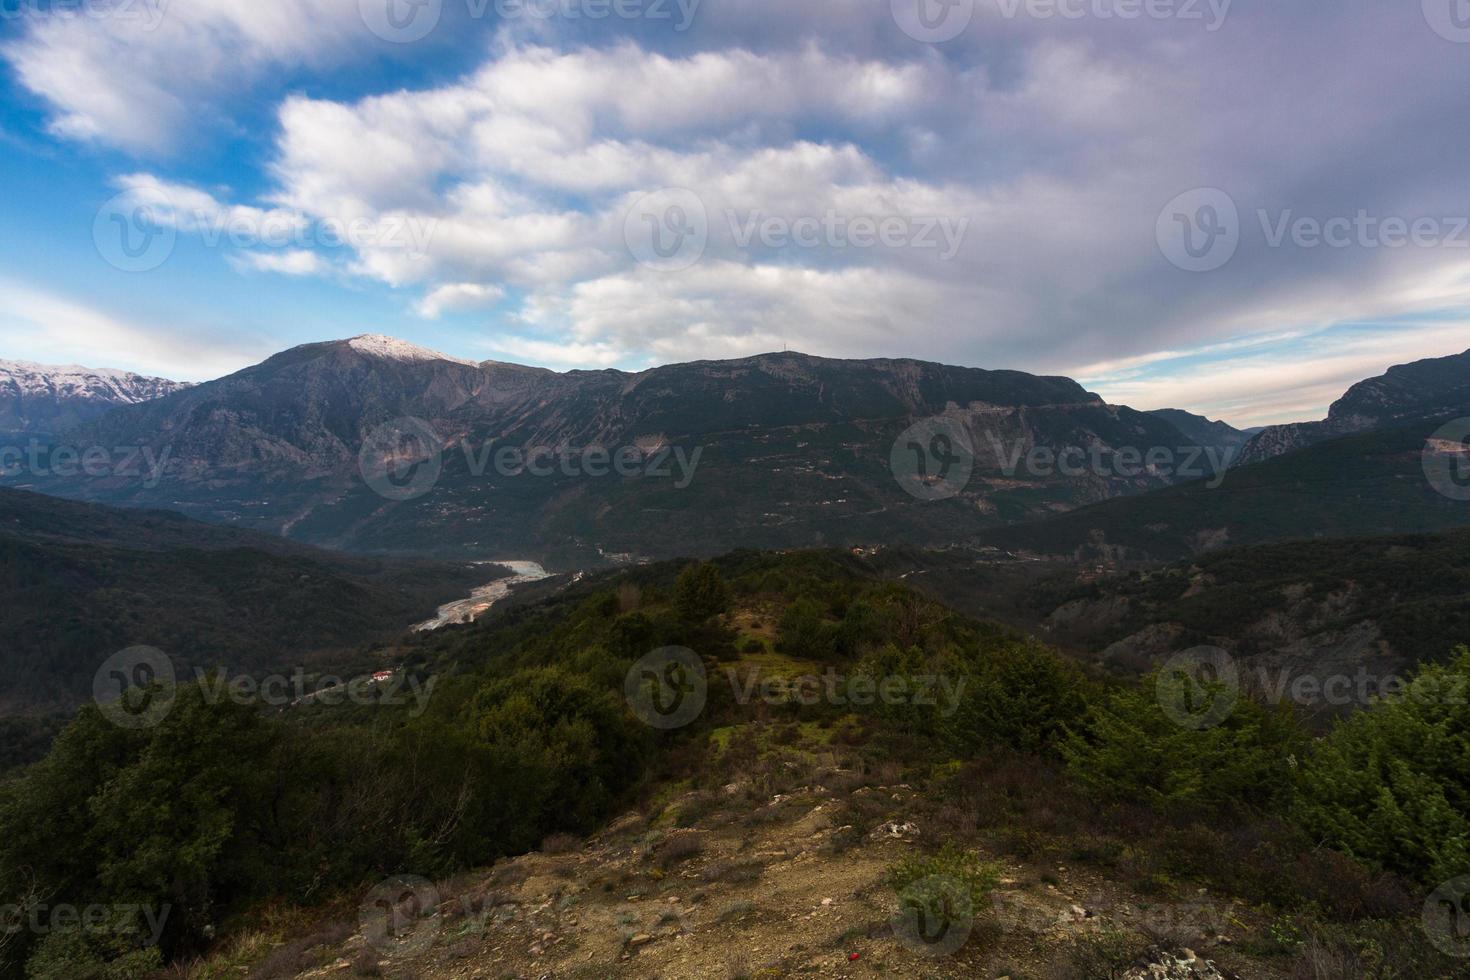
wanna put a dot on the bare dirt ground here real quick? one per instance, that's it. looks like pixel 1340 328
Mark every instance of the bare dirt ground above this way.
pixel 771 888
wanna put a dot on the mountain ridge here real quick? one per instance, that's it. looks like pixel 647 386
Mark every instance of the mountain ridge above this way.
pixel 798 449
pixel 1436 387
pixel 45 399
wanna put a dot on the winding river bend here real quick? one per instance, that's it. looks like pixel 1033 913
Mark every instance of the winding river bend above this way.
pixel 479 601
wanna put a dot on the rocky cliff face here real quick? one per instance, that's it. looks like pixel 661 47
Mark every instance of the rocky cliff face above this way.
pixel 1409 392
pixel 46 399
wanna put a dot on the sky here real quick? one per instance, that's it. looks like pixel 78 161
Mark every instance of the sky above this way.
pixel 1238 208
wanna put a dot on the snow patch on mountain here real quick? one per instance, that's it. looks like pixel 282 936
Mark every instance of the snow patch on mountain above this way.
pixel 51 397
pixel 75 381
pixel 391 348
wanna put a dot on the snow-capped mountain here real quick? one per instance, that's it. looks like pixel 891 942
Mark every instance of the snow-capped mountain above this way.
pixel 393 349
pixel 46 398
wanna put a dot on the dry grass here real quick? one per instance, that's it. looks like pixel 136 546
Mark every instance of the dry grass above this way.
pixel 300 955
pixel 733 872
pixel 676 848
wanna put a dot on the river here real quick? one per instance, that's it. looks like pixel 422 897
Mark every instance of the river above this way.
pixel 479 601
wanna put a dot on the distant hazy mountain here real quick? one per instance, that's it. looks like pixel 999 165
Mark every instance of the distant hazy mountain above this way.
pixel 1435 388
pixel 79 582
pixel 41 398
pixel 792 451
pixel 1205 432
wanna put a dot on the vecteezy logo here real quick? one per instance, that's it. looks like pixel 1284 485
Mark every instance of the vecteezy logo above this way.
pixel 1198 688
pixel 401 459
pixel 667 688
pixel 401 21
pixel 1447 918
pixel 1450 19
pixel 399 915
pixel 933 459
pixel 135 234
pixel 935 916
pixel 933 21
pixel 1199 230
pixel 1446 460
pixel 667 230
pixel 134 688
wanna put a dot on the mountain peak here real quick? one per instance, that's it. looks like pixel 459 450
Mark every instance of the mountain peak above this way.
pixel 393 349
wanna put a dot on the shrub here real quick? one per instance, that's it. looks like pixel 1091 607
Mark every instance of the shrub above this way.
pixel 1105 955
pixel 1375 950
pixel 977 878
pixel 81 954
pixel 1020 695
pixel 701 593
pixel 805 631
pixel 676 848
pixel 1390 785
pixel 1132 748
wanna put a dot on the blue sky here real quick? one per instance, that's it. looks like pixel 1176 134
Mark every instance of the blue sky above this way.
pixel 1234 208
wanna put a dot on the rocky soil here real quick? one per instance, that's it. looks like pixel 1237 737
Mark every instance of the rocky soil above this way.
pixel 770 888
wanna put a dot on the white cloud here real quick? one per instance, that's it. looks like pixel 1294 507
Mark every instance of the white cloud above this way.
pixel 192 210
pixel 555 354
pixel 727 309
pixel 140 75
pixel 1280 379
pixel 458 297
pixel 297 262
pixel 1058 142
pixel 48 328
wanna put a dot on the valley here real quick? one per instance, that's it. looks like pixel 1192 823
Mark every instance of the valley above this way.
pixel 482 599
pixel 734 490
pixel 993 577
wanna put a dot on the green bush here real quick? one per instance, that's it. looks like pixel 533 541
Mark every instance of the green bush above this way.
pixel 975 877
pixel 701 593
pixel 1020 695
pixel 78 954
pixel 1131 748
pixel 1391 785
pixel 1106 955
pixel 806 632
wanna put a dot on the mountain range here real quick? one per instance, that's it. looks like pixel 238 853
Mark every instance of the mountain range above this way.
pixel 373 444
pixel 960 483
pixel 43 399
pixel 777 451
